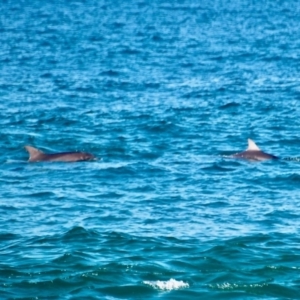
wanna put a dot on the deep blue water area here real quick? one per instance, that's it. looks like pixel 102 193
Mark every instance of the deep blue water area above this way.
pixel 162 93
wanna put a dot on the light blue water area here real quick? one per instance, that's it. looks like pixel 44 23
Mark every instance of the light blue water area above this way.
pixel 162 93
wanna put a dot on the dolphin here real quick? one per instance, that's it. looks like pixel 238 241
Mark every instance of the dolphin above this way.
pixel 254 153
pixel 36 155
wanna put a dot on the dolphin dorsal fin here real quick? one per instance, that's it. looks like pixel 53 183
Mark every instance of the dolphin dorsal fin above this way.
pixel 34 153
pixel 252 146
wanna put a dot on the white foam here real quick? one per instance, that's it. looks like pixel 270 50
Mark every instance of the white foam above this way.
pixel 169 285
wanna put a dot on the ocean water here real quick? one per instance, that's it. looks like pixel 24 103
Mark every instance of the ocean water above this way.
pixel 162 92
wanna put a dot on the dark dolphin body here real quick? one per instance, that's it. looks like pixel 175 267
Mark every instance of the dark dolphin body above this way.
pixel 254 153
pixel 36 155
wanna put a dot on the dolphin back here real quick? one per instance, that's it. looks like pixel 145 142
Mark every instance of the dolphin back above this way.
pixel 255 155
pixel 36 155
pixel 253 152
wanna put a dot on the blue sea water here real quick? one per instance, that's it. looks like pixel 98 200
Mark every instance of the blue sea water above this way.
pixel 162 92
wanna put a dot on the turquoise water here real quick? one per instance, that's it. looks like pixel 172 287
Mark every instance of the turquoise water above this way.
pixel 162 92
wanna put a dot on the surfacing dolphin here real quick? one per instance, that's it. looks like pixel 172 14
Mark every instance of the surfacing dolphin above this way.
pixel 254 153
pixel 36 155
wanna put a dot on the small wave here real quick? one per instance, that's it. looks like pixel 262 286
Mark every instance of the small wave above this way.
pixel 80 233
pixel 265 288
pixel 169 285
pixel 297 159
pixel 236 286
pixel 229 105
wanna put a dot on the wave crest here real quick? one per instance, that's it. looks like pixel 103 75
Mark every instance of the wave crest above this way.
pixel 169 285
